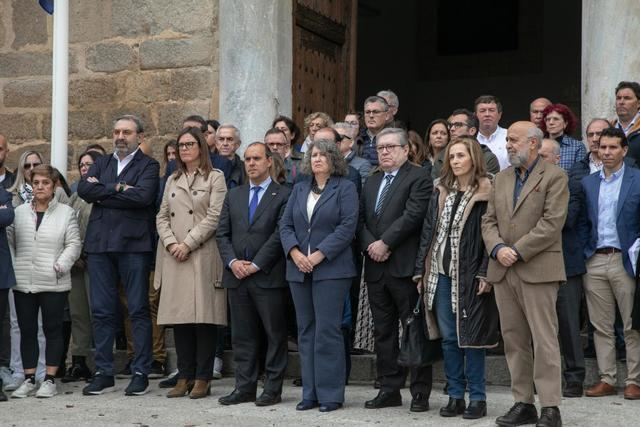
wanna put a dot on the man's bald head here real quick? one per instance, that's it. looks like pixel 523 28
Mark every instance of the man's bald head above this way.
pixel 523 141
pixel 536 108
pixel 550 151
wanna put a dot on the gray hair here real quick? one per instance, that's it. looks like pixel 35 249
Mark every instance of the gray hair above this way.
pixel 535 133
pixel 337 163
pixel 392 98
pixel 376 98
pixel 597 119
pixel 401 134
pixel 230 126
pixel 130 117
pixel 554 144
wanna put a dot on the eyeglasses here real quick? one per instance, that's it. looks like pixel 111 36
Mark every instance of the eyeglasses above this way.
pixel 593 134
pixel 389 147
pixel 374 112
pixel 85 165
pixel 186 145
pixel 31 165
pixel 354 123
pixel 456 125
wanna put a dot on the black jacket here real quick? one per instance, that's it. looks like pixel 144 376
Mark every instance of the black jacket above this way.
pixel 477 315
pixel 399 222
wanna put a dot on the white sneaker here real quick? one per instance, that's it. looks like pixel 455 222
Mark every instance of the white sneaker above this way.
pixel 217 368
pixel 25 389
pixel 47 389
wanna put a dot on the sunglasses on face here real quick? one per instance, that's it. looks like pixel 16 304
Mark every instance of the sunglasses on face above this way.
pixel 31 165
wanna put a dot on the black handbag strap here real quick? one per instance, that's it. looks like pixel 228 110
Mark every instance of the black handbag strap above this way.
pixel 416 310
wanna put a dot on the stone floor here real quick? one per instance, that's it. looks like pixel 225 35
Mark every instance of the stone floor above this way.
pixel 70 408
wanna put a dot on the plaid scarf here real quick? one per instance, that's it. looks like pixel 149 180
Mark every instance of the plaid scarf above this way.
pixel 453 234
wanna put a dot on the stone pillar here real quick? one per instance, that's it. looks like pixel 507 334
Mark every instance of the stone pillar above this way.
pixel 609 53
pixel 255 64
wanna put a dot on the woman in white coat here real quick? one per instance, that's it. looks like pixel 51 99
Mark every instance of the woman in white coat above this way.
pixel 45 241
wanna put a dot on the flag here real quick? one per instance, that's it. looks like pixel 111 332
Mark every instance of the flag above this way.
pixel 47 5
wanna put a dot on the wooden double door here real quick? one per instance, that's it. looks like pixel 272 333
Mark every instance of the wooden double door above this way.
pixel 324 57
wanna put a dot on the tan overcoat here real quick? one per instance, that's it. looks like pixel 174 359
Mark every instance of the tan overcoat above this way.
pixel 191 291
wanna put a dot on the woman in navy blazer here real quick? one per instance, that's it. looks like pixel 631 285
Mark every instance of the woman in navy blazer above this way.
pixel 316 229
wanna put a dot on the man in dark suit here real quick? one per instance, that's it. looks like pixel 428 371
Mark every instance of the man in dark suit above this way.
pixel 392 207
pixel 249 243
pixel 7 276
pixel 120 240
pixel 611 228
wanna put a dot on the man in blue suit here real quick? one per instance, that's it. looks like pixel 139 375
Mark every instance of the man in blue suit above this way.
pixel 7 277
pixel 611 226
pixel 119 243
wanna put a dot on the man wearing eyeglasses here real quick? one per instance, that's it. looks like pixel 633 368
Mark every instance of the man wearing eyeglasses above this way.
pixel 376 112
pixel 463 122
pixel 394 104
pixel 279 143
pixel 392 207
pixel 6 176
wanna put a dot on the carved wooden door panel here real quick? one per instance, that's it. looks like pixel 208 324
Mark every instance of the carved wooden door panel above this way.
pixel 324 46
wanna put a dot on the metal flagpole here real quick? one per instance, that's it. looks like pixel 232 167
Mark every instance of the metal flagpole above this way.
pixel 60 83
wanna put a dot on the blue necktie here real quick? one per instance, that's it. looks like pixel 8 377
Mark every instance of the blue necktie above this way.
pixel 253 204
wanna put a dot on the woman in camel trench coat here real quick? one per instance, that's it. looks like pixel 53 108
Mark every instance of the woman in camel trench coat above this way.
pixel 188 265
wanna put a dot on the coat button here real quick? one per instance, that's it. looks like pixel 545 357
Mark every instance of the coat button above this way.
pixel 190 212
pixel 195 193
pixel 173 194
pixel 172 214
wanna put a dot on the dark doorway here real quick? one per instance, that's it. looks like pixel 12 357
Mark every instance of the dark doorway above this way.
pixel 439 55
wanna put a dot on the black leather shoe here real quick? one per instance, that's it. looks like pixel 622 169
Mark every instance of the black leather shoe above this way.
pixel 476 409
pixel 519 414
pixel 384 399
pixel 453 408
pixel 268 399
pixel 329 406
pixel 305 405
pixel 236 397
pixel 573 390
pixel 419 403
pixel 549 417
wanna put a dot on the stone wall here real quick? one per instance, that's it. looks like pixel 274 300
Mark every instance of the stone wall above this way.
pixel 154 58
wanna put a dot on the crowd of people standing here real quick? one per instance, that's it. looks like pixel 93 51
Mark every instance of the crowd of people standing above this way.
pixel 330 236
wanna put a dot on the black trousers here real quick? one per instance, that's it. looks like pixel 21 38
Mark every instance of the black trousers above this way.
pixel 393 299
pixel 195 347
pixel 568 308
pixel 51 305
pixel 5 339
pixel 259 313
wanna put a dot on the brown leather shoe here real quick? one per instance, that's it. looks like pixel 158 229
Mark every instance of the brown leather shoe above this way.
pixel 632 392
pixel 183 386
pixel 201 389
pixel 601 389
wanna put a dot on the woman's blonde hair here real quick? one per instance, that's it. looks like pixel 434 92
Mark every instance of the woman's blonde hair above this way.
pixel 20 179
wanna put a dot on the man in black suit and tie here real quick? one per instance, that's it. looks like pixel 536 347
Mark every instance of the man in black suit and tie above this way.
pixel 392 207
pixel 249 243
pixel 119 242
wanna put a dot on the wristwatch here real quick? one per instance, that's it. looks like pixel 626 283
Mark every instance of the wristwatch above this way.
pixel 121 186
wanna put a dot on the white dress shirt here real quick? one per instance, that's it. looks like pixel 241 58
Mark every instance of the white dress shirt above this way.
pixel 497 143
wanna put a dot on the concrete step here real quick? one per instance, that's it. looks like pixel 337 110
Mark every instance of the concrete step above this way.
pixel 363 368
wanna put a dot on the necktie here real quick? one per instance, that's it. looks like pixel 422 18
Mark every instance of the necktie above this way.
pixel 383 195
pixel 253 204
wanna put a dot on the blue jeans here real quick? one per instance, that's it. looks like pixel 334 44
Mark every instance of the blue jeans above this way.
pixel 461 365
pixel 132 269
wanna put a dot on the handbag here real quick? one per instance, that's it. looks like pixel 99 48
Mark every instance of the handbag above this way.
pixel 416 349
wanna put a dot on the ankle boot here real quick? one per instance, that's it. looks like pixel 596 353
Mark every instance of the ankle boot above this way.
pixel 183 386
pixel 201 388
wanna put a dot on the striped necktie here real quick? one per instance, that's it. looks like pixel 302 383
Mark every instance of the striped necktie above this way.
pixel 383 195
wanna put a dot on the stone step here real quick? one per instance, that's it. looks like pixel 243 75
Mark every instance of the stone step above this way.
pixel 363 368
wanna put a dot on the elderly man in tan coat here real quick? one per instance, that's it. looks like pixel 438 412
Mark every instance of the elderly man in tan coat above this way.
pixel 522 229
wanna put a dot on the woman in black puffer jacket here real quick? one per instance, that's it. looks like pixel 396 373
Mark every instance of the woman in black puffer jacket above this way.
pixel 451 267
